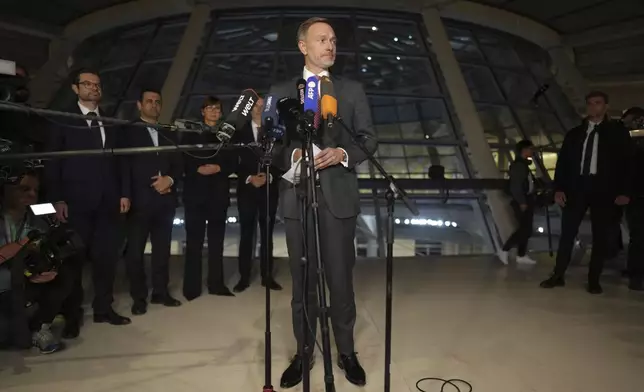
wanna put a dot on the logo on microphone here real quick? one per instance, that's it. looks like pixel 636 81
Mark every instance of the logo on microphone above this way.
pixel 239 101
pixel 248 107
pixel 269 102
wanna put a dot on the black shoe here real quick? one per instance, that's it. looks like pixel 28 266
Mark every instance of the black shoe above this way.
pixel 111 317
pixel 352 370
pixel 272 284
pixel 552 282
pixel 139 307
pixel 636 285
pixel 594 288
pixel 222 291
pixel 165 300
pixel 241 286
pixel 293 373
pixel 71 330
pixel 191 296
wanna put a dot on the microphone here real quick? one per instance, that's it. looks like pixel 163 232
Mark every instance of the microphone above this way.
pixel 311 97
pixel 301 85
pixel 289 109
pixel 269 115
pixel 328 102
pixel 184 125
pixel 238 116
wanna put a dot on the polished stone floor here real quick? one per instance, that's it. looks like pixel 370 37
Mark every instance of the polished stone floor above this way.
pixel 466 318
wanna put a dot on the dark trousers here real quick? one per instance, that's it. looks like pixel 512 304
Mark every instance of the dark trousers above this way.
pixel 155 222
pixel 49 297
pixel 635 219
pixel 338 256
pixel 521 236
pixel 252 206
pixel 196 214
pixel 98 230
pixel 602 217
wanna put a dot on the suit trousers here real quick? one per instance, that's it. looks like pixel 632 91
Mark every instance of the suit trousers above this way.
pixel 99 231
pixel 588 195
pixel 635 218
pixel 49 296
pixel 338 257
pixel 154 221
pixel 522 234
pixel 196 215
pixel 251 203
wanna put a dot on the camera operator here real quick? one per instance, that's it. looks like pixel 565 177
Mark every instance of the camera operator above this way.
pixel 522 190
pixel 633 119
pixel 44 292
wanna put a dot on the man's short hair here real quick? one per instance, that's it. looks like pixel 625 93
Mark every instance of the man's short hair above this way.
pixel 597 94
pixel 525 143
pixel 304 27
pixel 148 90
pixel 210 101
pixel 634 111
pixel 76 75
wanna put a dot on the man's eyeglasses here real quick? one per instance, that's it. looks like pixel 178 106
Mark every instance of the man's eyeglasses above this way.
pixel 88 85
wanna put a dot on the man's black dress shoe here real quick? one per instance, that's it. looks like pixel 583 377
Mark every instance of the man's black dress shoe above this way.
pixel 111 317
pixel 272 284
pixel 165 300
pixel 71 330
pixel 221 291
pixel 293 373
pixel 139 307
pixel 241 286
pixel 594 288
pixel 191 296
pixel 352 370
pixel 552 282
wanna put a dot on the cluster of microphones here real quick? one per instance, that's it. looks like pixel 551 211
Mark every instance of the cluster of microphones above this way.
pixel 315 102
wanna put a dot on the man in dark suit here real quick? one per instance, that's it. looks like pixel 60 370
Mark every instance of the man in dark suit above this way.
pixel 206 197
pixel 339 204
pixel 86 190
pixel 148 181
pixel 523 201
pixel 593 172
pixel 251 201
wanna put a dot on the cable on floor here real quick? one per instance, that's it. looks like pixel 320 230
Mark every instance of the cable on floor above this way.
pixel 451 382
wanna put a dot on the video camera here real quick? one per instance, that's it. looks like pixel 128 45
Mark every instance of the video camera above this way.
pixel 50 249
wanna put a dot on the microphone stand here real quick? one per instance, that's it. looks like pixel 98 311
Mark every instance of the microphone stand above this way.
pixel 312 200
pixel 393 193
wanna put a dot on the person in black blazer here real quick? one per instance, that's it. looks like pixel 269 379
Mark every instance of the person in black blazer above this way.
pixel 251 203
pixel 592 172
pixel 149 181
pixel 339 203
pixel 206 197
pixel 523 202
pixel 86 191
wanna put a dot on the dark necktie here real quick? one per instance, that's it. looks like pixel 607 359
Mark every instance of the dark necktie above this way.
pixel 95 129
pixel 588 152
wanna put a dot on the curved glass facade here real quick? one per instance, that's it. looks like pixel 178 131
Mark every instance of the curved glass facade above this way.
pixel 392 56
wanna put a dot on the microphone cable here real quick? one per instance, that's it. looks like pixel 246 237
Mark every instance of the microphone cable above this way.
pixel 446 382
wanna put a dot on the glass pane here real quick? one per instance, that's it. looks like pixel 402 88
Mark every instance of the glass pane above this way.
pixel 230 74
pixel 398 75
pixel 388 131
pixel 416 150
pixel 127 111
pixel 149 75
pixel 292 65
pixel 532 126
pixel 481 83
pixel 448 157
pixel 502 56
pixel 498 124
pixel 128 48
pixel 343 28
pixel 390 151
pixel 418 166
pixel 519 88
pixel 463 45
pixel 166 42
pixel 397 167
pixel 114 83
pixel 436 120
pixel 551 123
pixel 389 37
pixel 363 170
pixel 413 130
pixel 245 34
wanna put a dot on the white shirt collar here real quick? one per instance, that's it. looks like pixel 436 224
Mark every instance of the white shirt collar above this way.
pixel 307 74
pixel 86 110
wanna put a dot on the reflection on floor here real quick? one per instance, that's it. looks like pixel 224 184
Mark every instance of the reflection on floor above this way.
pixel 454 317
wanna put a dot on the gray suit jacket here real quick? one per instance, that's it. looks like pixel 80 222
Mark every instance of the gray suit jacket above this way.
pixel 339 185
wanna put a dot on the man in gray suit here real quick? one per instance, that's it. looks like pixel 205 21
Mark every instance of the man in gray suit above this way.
pixel 339 203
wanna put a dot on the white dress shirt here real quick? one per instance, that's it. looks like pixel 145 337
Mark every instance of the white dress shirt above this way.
pixel 593 158
pixel 307 74
pixel 154 135
pixel 85 110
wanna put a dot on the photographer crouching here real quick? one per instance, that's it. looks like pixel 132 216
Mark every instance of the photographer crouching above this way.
pixel 32 289
pixel 522 191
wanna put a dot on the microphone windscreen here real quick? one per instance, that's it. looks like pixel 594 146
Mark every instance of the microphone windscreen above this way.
pixel 301 86
pixel 240 114
pixel 269 115
pixel 329 106
pixel 288 109
pixel 311 100
pixel 326 87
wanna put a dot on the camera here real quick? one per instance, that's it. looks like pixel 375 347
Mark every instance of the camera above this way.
pixel 48 250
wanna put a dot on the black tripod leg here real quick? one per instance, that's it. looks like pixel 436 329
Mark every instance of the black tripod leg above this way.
pixel 268 384
pixel 305 349
pixel 549 232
